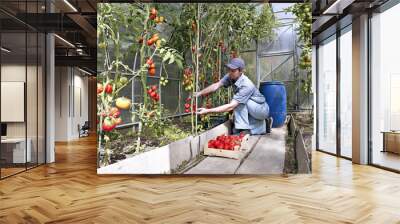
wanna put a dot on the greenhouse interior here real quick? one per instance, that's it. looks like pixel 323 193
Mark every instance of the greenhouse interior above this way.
pixel 153 58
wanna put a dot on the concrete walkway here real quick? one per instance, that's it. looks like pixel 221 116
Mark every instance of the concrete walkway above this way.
pixel 267 156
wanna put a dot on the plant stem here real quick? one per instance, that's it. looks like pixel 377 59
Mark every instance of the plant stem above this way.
pixel 197 60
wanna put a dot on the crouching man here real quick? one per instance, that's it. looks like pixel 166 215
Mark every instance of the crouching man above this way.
pixel 248 104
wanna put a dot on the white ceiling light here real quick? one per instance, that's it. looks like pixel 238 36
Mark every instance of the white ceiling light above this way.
pixel 65 41
pixel 5 50
pixel 86 72
pixel 70 5
pixel 338 6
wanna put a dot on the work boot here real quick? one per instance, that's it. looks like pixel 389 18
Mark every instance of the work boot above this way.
pixel 238 131
pixel 269 122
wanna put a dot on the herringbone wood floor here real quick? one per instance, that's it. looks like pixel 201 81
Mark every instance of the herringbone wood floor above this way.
pixel 69 191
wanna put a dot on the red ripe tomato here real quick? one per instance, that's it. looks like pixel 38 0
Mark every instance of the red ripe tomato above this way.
pixel 152 71
pixel 150 42
pixel 99 88
pixel 187 106
pixel 108 88
pixel 153 94
pixel 114 112
pixel 188 99
pixel 187 110
pixel 154 87
pixel 149 91
pixel 149 61
pixel 187 71
pixel 153 11
pixel 108 124
pixel 213 142
pixel 155 37
pixel 117 120
pixel 194 26
pixel 157 97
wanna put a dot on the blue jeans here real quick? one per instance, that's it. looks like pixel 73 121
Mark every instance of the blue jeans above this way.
pixel 251 116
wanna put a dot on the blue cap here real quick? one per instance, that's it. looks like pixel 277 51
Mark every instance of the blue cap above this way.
pixel 235 63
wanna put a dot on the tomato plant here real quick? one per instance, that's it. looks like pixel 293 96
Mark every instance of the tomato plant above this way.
pixel 303 14
pixel 147 45
pixel 221 33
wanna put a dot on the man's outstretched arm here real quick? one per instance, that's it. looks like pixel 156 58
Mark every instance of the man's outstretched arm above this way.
pixel 223 108
pixel 209 89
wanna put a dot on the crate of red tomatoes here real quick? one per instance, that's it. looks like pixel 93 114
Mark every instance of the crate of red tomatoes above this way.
pixel 229 146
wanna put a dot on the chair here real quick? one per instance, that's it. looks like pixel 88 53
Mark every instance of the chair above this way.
pixel 84 130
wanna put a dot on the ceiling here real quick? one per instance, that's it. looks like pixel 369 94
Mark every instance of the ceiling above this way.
pixel 74 22
pixel 330 15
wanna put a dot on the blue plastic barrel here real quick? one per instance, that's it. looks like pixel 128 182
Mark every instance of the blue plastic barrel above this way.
pixel 275 94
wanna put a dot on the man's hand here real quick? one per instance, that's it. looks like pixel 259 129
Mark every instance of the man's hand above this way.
pixel 201 111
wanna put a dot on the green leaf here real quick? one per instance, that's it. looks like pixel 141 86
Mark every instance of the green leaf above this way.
pixel 179 63
pixel 171 60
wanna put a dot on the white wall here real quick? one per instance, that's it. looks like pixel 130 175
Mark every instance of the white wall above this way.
pixel 62 81
pixel 71 94
pixel 10 73
pixel 33 127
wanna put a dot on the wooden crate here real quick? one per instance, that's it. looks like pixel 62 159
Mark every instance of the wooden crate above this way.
pixel 237 153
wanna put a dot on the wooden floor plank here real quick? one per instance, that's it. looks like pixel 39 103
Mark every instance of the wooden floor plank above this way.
pixel 70 191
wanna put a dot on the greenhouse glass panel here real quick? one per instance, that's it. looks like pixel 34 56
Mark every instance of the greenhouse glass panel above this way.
pixel 284 41
pixel 249 58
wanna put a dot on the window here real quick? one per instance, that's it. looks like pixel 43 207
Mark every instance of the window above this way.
pixel 385 89
pixel 327 95
pixel 22 80
pixel 346 92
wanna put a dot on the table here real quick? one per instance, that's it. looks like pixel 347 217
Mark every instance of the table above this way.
pixel 13 150
pixel 391 141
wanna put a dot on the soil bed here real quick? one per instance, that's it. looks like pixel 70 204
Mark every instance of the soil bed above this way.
pixel 125 140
